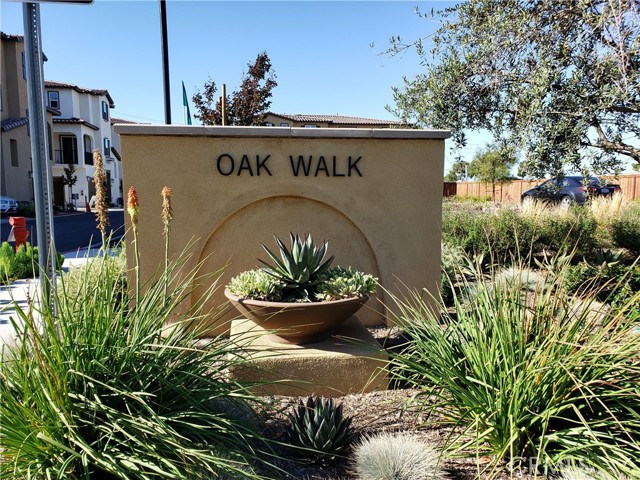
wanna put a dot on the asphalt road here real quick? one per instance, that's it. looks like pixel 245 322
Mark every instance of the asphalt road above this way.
pixel 72 231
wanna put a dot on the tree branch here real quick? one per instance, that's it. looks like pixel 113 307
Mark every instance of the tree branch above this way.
pixel 606 144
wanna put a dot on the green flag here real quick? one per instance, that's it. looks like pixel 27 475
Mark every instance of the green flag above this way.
pixel 185 102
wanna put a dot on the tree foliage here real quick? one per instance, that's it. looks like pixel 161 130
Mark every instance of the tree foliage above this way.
pixel 493 165
pixel 70 179
pixel 245 106
pixel 458 171
pixel 559 79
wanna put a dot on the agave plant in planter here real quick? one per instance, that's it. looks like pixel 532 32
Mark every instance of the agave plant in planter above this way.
pixel 299 297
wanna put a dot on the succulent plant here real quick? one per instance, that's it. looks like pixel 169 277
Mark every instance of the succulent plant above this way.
pixel 319 429
pixel 256 284
pixel 341 282
pixel 607 257
pixel 300 269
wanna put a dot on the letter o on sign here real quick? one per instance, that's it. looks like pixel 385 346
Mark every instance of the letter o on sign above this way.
pixel 228 163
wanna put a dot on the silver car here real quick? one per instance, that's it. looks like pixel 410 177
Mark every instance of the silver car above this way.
pixel 8 204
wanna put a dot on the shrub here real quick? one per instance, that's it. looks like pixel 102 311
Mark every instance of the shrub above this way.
pixel 22 263
pixel 495 235
pixel 389 456
pixel 572 230
pixel 527 374
pixel 89 274
pixel 615 283
pixel 101 389
pixel 26 209
pixel 626 229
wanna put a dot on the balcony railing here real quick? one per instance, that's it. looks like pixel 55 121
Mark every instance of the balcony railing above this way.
pixel 66 157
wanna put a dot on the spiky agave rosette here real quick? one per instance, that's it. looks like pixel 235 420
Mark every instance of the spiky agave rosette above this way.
pixel 319 429
pixel 300 269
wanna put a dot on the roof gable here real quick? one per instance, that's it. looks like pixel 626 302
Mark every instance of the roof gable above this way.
pixel 71 86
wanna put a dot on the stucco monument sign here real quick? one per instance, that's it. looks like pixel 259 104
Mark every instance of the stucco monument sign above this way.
pixel 375 195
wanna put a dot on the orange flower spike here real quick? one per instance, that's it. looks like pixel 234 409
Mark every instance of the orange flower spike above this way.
pixel 133 206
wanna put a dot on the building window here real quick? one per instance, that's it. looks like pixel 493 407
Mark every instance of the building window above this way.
pixel 54 99
pixel 105 111
pixel 284 124
pixel 107 147
pixel 14 152
pixel 310 126
pixel 269 124
pixel 24 68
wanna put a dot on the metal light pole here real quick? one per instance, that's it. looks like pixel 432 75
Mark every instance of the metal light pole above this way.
pixel 39 151
pixel 165 62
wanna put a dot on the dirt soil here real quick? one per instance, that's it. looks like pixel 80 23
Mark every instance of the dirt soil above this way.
pixel 386 411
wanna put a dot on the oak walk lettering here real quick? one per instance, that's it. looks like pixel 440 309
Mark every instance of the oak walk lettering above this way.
pixel 227 165
pixel 318 166
pixel 297 165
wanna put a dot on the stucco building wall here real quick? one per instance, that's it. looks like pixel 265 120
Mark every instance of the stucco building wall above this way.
pixel 375 195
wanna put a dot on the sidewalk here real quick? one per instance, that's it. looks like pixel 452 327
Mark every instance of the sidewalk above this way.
pixel 17 293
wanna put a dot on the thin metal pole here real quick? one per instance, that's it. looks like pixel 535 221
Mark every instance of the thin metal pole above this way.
pixel 165 62
pixel 223 104
pixel 40 160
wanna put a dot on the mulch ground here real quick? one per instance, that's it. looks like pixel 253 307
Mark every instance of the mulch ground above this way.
pixel 371 413
pixel 375 412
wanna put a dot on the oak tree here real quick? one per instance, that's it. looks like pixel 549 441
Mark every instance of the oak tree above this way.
pixel 558 79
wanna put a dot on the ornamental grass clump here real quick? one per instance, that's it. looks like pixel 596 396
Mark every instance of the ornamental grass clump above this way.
pixel 529 375
pixel 103 388
pixel 391 456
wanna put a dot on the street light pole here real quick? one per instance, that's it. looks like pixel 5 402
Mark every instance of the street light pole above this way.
pixel 165 62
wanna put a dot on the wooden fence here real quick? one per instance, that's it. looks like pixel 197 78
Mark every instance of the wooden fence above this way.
pixel 511 192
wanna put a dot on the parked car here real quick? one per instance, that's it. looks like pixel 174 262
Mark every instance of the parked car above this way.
pixel 8 205
pixel 570 189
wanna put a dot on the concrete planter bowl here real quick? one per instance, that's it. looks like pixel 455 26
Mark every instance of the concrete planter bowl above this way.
pixel 297 323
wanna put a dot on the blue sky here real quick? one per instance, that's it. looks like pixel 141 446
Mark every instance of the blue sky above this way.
pixel 321 51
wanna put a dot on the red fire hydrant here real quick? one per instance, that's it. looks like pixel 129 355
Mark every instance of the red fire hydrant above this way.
pixel 19 231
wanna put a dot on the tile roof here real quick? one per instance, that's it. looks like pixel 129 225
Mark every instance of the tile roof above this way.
pixel 336 119
pixel 18 38
pixel 11 123
pixel 115 120
pixel 74 120
pixel 91 91
pixel 12 37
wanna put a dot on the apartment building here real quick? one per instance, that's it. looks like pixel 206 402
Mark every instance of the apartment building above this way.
pixel 78 121
pixel 327 121
pixel 82 125
pixel 16 175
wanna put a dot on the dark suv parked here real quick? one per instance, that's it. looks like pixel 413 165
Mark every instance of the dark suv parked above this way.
pixel 570 189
